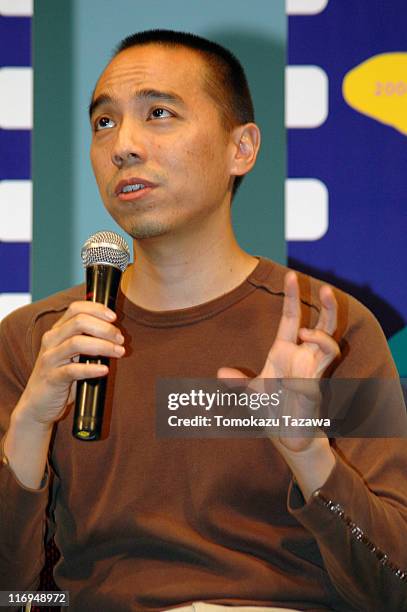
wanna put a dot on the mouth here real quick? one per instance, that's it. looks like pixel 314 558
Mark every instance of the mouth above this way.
pixel 133 188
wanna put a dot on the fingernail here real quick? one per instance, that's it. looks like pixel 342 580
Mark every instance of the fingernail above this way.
pixel 110 315
pixel 119 350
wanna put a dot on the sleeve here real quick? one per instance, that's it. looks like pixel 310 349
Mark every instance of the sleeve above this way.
pixel 22 510
pixel 359 516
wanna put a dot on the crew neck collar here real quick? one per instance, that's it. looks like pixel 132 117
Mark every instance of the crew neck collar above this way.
pixel 186 316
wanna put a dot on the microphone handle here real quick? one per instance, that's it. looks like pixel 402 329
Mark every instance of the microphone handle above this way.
pixel 102 285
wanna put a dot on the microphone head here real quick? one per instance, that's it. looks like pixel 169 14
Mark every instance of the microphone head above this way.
pixel 106 248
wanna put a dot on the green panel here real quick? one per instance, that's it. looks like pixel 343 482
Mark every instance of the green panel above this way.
pixel 52 165
pixel 398 346
pixel 72 50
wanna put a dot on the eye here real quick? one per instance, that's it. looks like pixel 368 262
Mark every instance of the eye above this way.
pixel 103 123
pixel 160 113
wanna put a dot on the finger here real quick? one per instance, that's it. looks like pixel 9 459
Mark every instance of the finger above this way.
pixel 291 316
pixel 82 324
pixel 232 377
pixel 230 373
pixel 91 308
pixel 79 371
pixel 328 316
pixel 235 379
pixel 81 345
pixel 321 341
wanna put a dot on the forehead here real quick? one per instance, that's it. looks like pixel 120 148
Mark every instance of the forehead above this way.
pixel 177 68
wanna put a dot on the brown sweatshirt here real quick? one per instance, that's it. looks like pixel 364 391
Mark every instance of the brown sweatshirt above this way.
pixel 145 524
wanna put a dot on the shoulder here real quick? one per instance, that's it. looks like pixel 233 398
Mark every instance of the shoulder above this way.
pixel 358 333
pixel 26 325
pixel 53 304
pixel 270 275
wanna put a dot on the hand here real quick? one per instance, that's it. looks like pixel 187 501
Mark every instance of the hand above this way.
pixel 299 352
pixel 85 328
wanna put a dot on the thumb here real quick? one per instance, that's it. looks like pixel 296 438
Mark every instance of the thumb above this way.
pixel 230 373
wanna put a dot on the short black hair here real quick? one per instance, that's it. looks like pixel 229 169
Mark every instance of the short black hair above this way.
pixel 225 82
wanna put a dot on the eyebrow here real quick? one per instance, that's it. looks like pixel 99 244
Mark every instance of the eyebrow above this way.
pixel 142 94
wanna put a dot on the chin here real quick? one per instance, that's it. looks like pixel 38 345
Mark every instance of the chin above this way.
pixel 138 227
pixel 141 231
pixel 149 224
pixel 140 234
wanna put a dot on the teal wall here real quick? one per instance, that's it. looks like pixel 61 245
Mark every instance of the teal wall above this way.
pixel 72 43
pixel 398 347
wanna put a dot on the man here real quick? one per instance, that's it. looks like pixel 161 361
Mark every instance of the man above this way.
pixel 149 524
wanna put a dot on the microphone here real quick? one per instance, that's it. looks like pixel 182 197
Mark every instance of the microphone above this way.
pixel 105 256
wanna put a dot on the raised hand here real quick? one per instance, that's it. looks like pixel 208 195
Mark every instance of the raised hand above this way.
pixel 299 353
pixel 309 359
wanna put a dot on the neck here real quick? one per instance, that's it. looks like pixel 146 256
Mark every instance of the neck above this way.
pixel 179 271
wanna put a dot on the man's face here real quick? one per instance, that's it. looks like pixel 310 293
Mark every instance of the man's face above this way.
pixel 160 153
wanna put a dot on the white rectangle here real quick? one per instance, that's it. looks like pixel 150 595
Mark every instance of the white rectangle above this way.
pixel 16 8
pixel 305 7
pixel 15 211
pixel 11 301
pixel 306 209
pixel 16 98
pixel 306 96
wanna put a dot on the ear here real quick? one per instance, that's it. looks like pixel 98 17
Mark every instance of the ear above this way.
pixel 246 141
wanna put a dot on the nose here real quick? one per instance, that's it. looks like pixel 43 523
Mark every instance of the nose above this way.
pixel 128 148
pixel 122 159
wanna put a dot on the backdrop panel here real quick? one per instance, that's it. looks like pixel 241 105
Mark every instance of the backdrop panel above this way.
pixel 15 153
pixel 358 152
